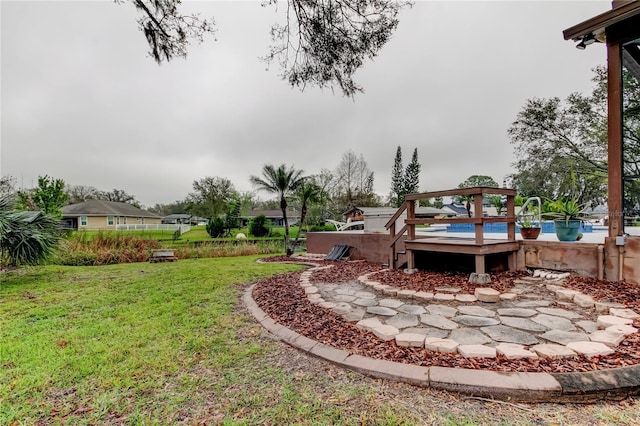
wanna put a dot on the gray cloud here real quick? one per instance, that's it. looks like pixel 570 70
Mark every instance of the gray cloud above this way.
pixel 82 101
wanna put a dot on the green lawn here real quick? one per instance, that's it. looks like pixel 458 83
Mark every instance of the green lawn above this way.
pixel 170 343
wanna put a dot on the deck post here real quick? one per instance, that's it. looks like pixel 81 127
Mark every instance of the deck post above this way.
pixel 479 263
pixel 477 214
pixel 392 248
pixel 511 212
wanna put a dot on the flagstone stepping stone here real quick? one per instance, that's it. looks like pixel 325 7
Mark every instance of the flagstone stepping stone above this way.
pixel 365 302
pixel 390 291
pixel 466 298
pixel 474 321
pixel 354 315
pixel 428 331
pixel 587 326
pixel 423 295
pixel 624 313
pixel 502 333
pixel 390 303
pixel 622 328
pixel 477 351
pixel 517 312
pixel 469 336
pixel 406 293
pixel 584 300
pixel 553 322
pixel 385 332
pixel 342 307
pixel 328 305
pixel 608 337
pixel 368 323
pixel 343 298
pixel 508 296
pixel 345 290
pixel 553 351
pixel 590 349
pixel 441 345
pixel 365 295
pixel 381 310
pixel 565 295
pixel 410 340
pixel 605 307
pixel 533 303
pixel 488 295
pixel 563 337
pixel 444 297
pixel 412 309
pixel 559 313
pixel 514 351
pixel 445 311
pixel 605 321
pixel 522 324
pixel 447 289
pixel 402 321
pixel 311 290
pixel 477 311
pixel 438 321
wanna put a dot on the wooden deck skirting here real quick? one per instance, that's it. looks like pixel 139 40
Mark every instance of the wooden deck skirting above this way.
pixel 477 245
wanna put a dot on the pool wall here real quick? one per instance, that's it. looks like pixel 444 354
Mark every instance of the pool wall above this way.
pixel 548 227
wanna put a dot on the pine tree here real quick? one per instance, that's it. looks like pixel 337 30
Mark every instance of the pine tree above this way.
pixel 397 180
pixel 412 175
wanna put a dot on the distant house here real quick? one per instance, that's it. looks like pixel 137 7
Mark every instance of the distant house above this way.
pixel 274 216
pixel 105 215
pixel 375 218
pixel 179 218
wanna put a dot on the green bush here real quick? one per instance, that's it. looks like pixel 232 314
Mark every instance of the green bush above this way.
pixel 258 227
pixel 215 227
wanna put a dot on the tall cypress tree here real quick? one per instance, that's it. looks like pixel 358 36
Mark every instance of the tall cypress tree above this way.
pixel 397 180
pixel 412 175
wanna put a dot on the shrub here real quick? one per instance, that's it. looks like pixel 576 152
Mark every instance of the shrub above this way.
pixel 215 227
pixel 258 226
pixel 104 249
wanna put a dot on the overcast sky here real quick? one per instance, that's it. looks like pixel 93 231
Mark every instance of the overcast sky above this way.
pixel 82 101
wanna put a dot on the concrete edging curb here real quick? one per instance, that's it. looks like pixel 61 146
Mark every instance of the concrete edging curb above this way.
pixel 513 386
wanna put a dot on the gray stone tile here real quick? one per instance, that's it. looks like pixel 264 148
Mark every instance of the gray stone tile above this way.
pixel 502 333
pixel 428 331
pixel 365 302
pixel 554 323
pixel 564 337
pixel 381 310
pixel 445 311
pixel 559 313
pixel 402 321
pixel 412 309
pixel 390 303
pixel 476 311
pixel 517 312
pixel 522 324
pixel 469 336
pixel 438 321
pixel 473 321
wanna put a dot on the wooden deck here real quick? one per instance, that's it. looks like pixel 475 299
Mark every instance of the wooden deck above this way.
pixel 466 246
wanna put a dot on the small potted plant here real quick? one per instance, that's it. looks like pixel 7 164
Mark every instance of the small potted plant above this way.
pixel 528 229
pixel 567 215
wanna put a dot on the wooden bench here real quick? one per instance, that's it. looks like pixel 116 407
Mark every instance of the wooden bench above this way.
pixel 165 255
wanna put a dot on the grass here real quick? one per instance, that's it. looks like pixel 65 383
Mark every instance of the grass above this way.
pixel 169 343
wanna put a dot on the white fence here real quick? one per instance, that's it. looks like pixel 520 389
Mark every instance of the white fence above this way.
pixel 155 227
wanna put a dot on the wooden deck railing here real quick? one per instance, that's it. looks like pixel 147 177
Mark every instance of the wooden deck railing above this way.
pixel 478 219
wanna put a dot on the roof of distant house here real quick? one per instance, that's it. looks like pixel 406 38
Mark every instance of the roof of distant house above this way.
pixel 104 208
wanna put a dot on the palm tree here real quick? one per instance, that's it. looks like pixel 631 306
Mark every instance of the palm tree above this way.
pixel 308 192
pixel 25 237
pixel 282 181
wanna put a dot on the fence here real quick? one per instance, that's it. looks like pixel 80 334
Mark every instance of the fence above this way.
pixel 155 227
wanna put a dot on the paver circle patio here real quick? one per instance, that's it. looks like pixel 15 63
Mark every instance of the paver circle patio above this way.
pixel 534 343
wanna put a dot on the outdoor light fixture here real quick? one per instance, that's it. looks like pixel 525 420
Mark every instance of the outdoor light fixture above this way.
pixel 590 39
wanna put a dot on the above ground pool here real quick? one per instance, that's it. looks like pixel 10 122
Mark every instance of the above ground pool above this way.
pixel 548 227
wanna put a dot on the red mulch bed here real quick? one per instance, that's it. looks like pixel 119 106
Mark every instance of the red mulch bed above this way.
pixel 282 298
